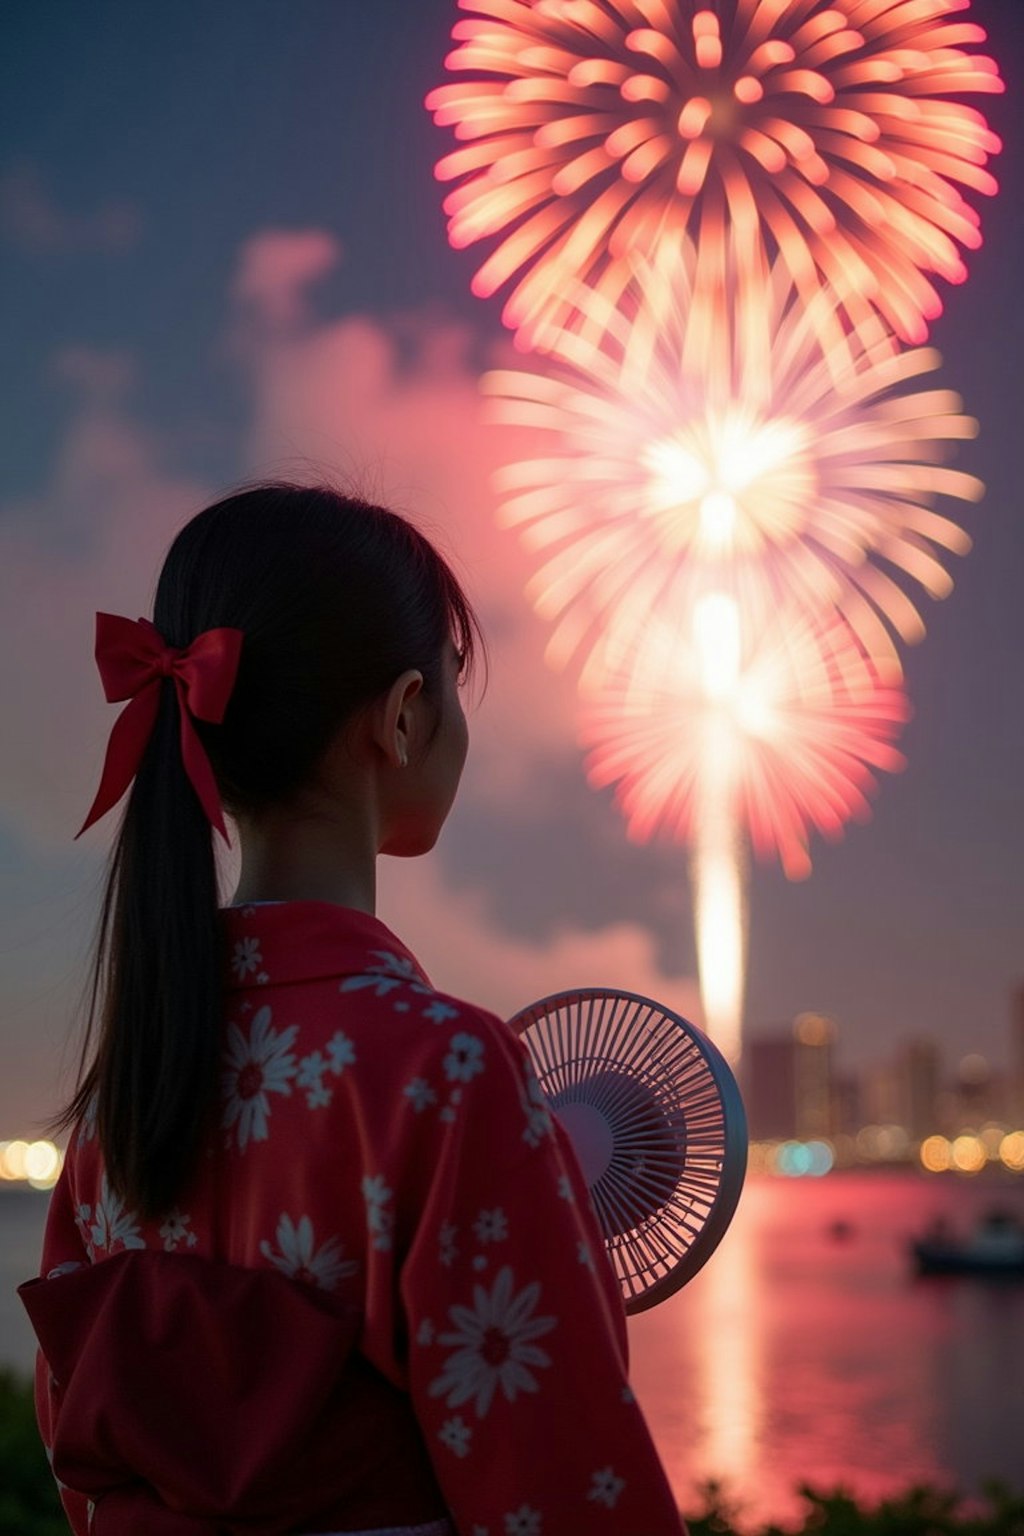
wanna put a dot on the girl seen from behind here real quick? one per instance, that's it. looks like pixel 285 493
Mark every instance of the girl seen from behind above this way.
pixel 319 1259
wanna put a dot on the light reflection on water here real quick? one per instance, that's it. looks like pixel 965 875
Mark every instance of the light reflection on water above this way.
pixel 796 1355
pixel 731 1389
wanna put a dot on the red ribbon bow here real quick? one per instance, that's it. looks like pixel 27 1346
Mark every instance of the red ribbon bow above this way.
pixel 133 660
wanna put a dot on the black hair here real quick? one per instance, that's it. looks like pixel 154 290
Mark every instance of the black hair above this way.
pixel 335 597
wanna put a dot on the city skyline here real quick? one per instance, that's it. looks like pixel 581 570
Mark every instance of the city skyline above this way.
pixel 798 1088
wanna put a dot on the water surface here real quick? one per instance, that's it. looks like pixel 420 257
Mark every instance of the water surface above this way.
pixel 797 1355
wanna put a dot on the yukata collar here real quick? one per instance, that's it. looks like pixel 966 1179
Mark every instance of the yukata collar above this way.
pixel 290 941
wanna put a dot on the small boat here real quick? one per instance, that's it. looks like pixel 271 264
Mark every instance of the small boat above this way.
pixel 840 1230
pixel 995 1248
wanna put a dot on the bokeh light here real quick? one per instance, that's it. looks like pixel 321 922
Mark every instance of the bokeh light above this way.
pixel 882 1143
pixel 968 1154
pixel 42 1164
pixel 12 1159
pixel 800 1159
pixel 936 1154
pixel 1011 1151
pixel 815 1029
pixel 37 1163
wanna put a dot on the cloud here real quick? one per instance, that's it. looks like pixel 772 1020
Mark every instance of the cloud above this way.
pixel 557 854
pixel 31 218
pixel 274 273
pixel 101 378
pixel 466 955
pixel 92 538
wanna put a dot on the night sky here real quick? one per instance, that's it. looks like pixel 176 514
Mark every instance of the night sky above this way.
pixel 222 254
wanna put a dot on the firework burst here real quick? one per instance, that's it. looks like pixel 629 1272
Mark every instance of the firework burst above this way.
pixel 712 445
pixel 825 133
pixel 781 735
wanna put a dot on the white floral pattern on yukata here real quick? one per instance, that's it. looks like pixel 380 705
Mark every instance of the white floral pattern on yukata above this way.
pixel 380 1221
pixel 300 1260
pixel 392 976
pixel 255 1067
pixel 465 1058
pixel 439 1012
pixel 246 957
pixel 108 1224
pixel 523 1521
pixel 535 1108
pixel 67 1268
pixel 311 1076
pixel 341 1053
pixel 495 1339
pixel 456 1434
pixel 606 1487
pixel 175 1228
pixel 419 1093
pixel 491 1226
pixel 384 978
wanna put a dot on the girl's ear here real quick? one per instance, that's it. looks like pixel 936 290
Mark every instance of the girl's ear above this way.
pixel 394 718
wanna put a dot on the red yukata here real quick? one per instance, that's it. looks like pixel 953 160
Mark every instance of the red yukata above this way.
pixel 383 1299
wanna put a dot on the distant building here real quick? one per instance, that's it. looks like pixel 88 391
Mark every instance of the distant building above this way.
pixel 814 1037
pixel 788 1081
pixel 977 1091
pixel 847 1114
pixel 769 1086
pixel 919 1068
pixel 1017 1057
pixel 882 1089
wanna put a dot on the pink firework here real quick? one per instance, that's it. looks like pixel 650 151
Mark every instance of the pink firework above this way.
pixel 785 735
pixel 706 441
pixel 825 133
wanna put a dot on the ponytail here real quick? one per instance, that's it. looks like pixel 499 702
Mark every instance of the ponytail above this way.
pixel 157 971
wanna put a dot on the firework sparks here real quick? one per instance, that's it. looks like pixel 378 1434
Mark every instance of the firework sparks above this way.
pixel 822 132
pixel 707 442
pixel 719 890
pixel 780 735
pixel 719 904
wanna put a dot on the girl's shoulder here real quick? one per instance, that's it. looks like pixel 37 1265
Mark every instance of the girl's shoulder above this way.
pixel 430 1025
pixel 474 1078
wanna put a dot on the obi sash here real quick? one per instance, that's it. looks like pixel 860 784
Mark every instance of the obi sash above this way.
pixel 194 1397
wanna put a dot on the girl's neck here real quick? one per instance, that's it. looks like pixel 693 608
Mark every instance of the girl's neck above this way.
pixel 308 859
